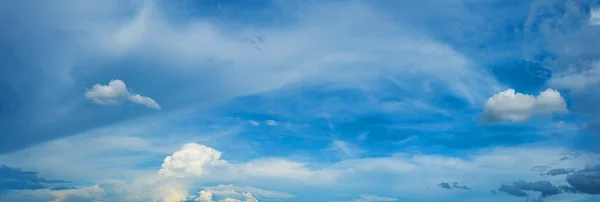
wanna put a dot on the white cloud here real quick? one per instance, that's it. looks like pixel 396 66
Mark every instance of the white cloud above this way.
pixel 108 94
pixel 482 170
pixel 115 92
pixel 191 159
pixel 517 107
pixel 205 196
pixel 271 122
pixel 143 100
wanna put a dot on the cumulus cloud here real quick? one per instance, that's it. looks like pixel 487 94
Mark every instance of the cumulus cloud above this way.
pixel 204 196
pixel 115 92
pixel 190 159
pixel 517 107
pixel 452 185
pixel 108 94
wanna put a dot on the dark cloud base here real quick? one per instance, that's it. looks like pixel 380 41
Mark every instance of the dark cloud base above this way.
pixel 17 179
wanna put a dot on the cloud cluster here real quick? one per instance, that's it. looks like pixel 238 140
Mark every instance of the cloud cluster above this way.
pixel 517 107
pixel 518 188
pixel 115 92
pixel 584 181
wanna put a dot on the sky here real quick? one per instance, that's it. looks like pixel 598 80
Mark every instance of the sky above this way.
pixel 300 100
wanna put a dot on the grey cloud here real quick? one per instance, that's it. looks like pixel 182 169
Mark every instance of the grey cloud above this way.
pixel 586 180
pixel 518 188
pixel 512 190
pixel 453 185
pixel 559 171
pixel 17 179
pixel 570 156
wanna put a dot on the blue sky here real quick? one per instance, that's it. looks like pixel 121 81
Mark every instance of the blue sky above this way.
pixel 319 100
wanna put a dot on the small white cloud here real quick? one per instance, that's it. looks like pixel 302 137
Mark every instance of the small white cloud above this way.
pixel 271 122
pixel 517 107
pixel 107 94
pixel 191 159
pixel 115 92
pixel 254 123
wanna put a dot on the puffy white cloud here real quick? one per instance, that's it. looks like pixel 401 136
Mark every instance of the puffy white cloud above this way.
pixel 115 92
pixel 205 196
pixel 108 94
pixel 517 107
pixel 191 159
